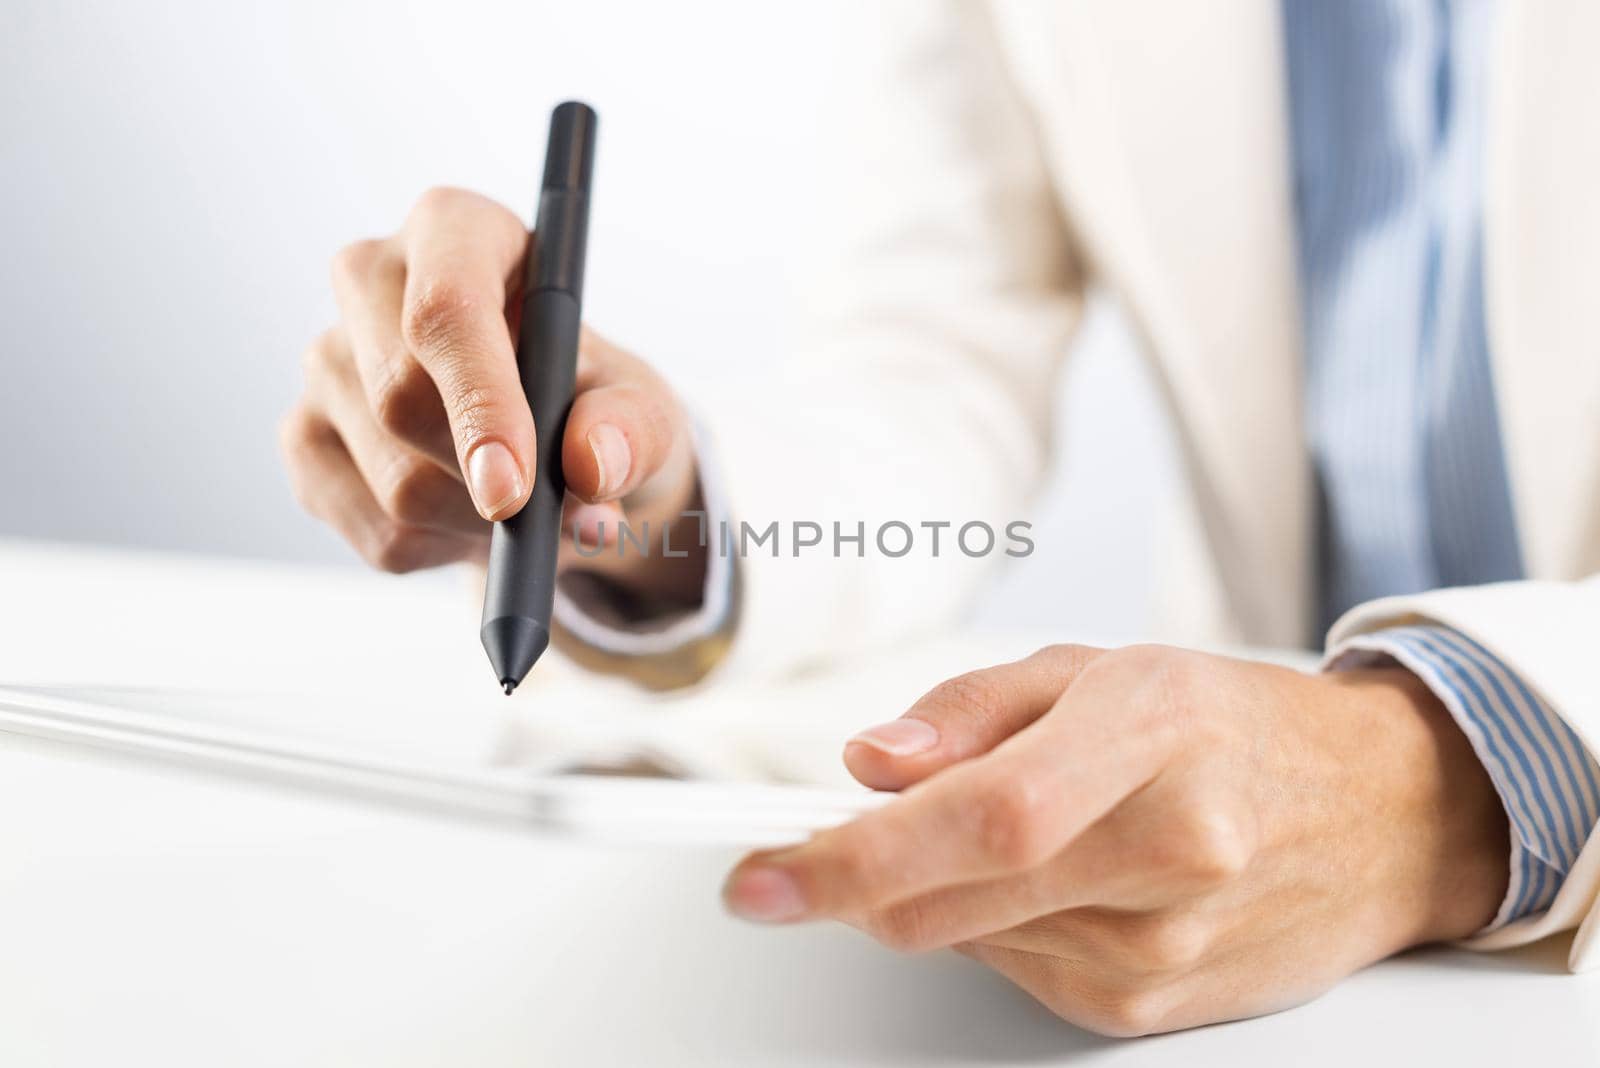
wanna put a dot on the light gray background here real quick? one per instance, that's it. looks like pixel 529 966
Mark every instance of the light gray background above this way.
pixel 177 175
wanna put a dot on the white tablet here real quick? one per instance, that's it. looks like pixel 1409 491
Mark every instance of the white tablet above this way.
pixel 477 762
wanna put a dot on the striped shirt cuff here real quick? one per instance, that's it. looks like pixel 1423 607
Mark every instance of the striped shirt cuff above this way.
pixel 1547 781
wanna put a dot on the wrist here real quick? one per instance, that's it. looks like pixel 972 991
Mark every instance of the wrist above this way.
pixel 1450 840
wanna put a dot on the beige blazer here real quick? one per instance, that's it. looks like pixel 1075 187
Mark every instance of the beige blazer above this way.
pixel 1009 154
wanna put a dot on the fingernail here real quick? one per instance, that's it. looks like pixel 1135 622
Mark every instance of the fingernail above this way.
pixel 765 895
pixel 612 456
pixel 493 477
pixel 900 737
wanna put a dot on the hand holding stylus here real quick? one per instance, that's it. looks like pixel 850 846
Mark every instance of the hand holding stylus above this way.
pixel 413 431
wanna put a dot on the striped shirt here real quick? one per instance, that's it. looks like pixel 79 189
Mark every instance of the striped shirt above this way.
pixel 1387 101
pixel 1547 781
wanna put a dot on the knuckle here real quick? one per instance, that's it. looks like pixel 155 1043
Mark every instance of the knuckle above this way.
pixel 851 866
pixel 439 200
pixel 295 432
pixel 400 400
pixel 1167 943
pixel 1213 845
pixel 1013 825
pixel 472 407
pixel 352 264
pixel 1063 659
pixel 1167 670
pixel 1127 1013
pixel 408 493
pixel 438 317
pixel 906 927
pixel 317 358
pixel 1163 682
pixel 395 548
pixel 649 414
pixel 973 696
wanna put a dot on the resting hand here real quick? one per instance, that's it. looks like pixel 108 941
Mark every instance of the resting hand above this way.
pixel 414 431
pixel 1149 839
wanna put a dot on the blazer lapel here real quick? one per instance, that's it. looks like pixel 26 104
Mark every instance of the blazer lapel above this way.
pixel 1167 127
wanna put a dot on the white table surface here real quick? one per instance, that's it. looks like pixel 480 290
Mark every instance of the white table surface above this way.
pixel 165 916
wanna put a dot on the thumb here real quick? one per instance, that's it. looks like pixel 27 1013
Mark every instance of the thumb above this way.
pixel 964 717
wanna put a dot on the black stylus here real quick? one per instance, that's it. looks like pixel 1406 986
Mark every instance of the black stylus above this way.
pixel 522 551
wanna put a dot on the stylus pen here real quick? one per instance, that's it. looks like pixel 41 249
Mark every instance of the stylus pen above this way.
pixel 522 551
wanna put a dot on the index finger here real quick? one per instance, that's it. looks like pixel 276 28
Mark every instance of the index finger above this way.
pixel 462 253
pixel 999 814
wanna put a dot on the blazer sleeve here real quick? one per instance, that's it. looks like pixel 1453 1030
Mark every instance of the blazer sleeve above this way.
pixel 945 291
pixel 926 397
pixel 1548 633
